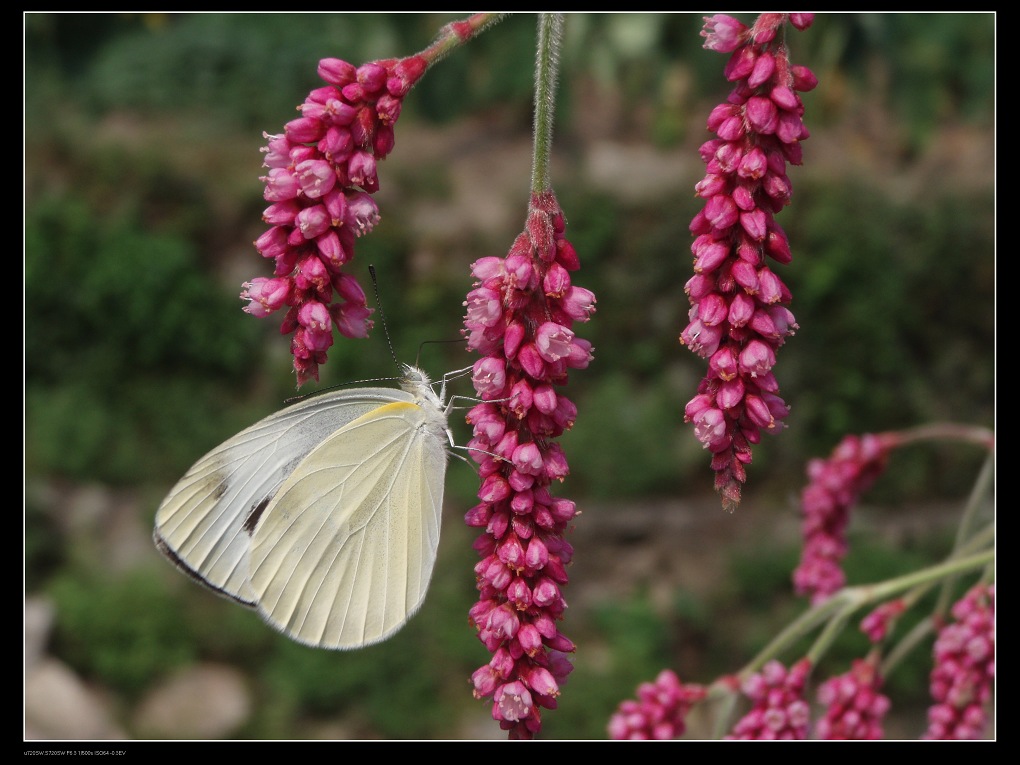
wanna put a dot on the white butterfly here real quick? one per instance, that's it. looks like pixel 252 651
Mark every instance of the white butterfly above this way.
pixel 323 516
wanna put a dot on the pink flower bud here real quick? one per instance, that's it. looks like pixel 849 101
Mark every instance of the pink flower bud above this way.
pixel 337 72
pixel 305 130
pixel 273 242
pixel 756 358
pixel 764 66
pixel 512 338
pixel 762 114
pixel 721 212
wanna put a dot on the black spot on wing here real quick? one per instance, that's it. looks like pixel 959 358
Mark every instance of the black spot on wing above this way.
pixel 219 490
pixel 253 517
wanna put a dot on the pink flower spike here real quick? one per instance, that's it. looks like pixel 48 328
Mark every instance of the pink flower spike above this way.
pixel 854 708
pixel 323 169
pixel 757 131
pixel 878 623
pixel 835 484
pixel 964 669
pixel 519 317
pixel 659 712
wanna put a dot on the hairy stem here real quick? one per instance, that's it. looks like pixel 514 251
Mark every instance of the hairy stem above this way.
pixel 550 33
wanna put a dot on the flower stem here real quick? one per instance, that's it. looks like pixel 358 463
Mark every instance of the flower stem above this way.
pixel 841 606
pixel 975 502
pixel 550 34
pixel 456 33
pixel 947 431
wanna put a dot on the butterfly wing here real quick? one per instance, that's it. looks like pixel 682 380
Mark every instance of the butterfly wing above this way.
pixel 200 524
pixel 342 555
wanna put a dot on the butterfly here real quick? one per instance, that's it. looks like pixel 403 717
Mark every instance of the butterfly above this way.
pixel 324 516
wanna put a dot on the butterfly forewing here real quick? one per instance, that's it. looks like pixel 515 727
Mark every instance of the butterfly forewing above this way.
pixel 343 554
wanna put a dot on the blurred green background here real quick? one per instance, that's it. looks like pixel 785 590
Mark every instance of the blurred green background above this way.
pixel 142 199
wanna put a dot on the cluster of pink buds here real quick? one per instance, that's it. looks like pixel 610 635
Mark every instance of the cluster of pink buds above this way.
pixel 322 173
pixel 964 669
pixel 779 710
pixel 738 316
pixel 854 707
pixel 660 711
pixel 877 624
pixel 833 488
pixel 519 318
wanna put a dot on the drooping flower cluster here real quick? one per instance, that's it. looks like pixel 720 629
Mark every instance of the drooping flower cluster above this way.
pixel 964 669
pixel 660 711
pixel 854 706
pixel 738 316
pixel 519 318
pixel 779 711
pixel 833 488
pixel 322 173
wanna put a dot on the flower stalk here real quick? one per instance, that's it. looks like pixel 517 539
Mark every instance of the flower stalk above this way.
pixel 519 319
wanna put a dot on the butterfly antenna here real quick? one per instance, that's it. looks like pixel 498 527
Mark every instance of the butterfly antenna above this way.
pixel 382 315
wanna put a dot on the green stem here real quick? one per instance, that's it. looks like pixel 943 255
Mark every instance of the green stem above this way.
pixel 944 431
pixel 975 502
pixel 843 604
pixel 550 33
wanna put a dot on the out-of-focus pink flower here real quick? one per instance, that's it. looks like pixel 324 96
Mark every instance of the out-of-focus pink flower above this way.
pixel 877 624
pixel 519 317
pixel 738 316
pixel 779 710
pixel 322 172
pixel 964 669
pixel 854 707
pixel 833 488
pixel 659 712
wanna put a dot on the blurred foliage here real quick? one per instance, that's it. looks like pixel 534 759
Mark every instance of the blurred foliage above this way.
pixel 123 334
pixel 123 633
pixel 142 199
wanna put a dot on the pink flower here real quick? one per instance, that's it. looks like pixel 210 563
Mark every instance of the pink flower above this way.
pixel 322 172
pixel 964 669
pixel 723 33
pixel 779 710
pixel 659 712
pixel 519 317
pixel 854 708
pixel 835 484
pixel 737 318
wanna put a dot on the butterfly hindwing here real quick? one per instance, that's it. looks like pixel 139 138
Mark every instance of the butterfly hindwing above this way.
pixel 343 554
